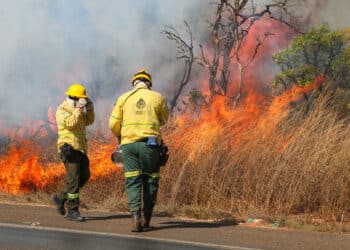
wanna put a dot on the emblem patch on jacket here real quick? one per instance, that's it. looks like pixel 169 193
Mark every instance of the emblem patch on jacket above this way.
pixel 140 104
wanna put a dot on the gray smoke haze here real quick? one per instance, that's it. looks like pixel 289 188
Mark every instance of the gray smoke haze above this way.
pixel 336 13
pixel 48 45
pixel 332 13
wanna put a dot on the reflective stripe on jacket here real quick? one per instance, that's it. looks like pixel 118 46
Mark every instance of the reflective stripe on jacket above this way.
pixel 138 114
pixel 71 123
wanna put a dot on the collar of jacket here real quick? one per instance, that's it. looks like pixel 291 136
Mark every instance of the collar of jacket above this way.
pixel 141 84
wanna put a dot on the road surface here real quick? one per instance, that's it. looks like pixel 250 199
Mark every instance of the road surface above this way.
pixel 22 237
pixel 40 227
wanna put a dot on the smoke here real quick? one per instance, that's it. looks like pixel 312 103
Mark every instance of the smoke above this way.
pixel 48 45
pixel 332 13
pixel 336 13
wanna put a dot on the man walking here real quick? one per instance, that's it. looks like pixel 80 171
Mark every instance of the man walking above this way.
pixel 136 120
pixel 72 116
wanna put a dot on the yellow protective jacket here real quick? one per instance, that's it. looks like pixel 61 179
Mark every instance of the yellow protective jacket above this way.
pixel 71 123
pixel 138 114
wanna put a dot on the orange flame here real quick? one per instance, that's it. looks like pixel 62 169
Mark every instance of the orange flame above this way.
pixel 23 170
pixel 256 113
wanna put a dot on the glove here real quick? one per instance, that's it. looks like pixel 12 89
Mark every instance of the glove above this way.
pixel 89 105
pixel 81 103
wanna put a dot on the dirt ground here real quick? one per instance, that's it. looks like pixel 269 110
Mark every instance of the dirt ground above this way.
pixel 218 233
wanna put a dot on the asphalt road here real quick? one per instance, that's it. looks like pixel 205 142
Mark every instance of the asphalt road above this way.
pixel 40 227
pixel 19 237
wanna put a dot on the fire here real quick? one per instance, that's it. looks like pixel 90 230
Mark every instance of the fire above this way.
pixel 257 116
pixel 100 160
pixel 23 168
pixel 279 107
pixel 258 112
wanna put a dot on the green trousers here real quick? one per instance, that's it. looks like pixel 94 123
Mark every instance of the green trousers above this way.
pixel 141 166
pixel 77 174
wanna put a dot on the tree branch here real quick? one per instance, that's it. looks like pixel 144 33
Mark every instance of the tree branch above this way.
pixel 185 52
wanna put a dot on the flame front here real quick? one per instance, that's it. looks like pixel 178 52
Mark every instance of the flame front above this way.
pixel 24 169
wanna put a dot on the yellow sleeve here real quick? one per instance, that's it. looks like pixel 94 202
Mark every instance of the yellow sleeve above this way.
pixel 70 121
pixel 116 118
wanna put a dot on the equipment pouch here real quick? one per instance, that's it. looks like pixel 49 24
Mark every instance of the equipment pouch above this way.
pixel 117 156
pixel 66 151
pixel 152 141
pixel 163 154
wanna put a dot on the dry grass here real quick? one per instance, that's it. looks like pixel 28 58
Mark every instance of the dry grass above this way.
pixel 300 167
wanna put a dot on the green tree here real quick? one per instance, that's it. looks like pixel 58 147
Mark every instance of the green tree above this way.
pixel 318 52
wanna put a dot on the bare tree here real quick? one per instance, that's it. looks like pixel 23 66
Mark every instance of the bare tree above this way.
pixel 185 53
pixel 233 21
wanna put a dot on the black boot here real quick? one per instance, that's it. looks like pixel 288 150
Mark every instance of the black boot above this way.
pixel 136 222
pixel 147 219
pixel 59 205
pixel 74 215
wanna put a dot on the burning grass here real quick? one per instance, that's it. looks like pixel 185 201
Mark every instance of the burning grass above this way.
pixel 295 164
pixel 270 162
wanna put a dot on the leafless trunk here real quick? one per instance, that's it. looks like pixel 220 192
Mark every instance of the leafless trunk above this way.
pixel 232 23
pixel 185 52
pixel 231 26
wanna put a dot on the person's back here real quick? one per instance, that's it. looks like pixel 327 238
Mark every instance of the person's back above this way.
pixel 136 120
pixel 143 112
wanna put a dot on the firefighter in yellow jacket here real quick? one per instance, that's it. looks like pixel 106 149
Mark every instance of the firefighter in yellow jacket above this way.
pixel 136 120
pixel 72 116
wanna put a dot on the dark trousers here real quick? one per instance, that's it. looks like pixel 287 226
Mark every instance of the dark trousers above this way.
pixel 77 174
pixel 141 166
